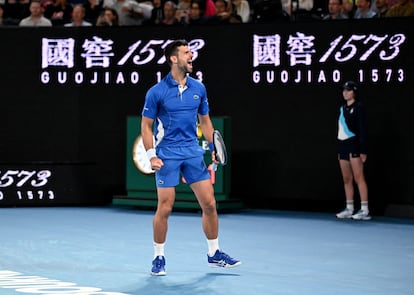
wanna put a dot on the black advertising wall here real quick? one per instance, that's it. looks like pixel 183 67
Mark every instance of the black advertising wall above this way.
pixel 66 94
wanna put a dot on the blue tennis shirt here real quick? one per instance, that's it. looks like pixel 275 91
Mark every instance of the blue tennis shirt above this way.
pixel 175 114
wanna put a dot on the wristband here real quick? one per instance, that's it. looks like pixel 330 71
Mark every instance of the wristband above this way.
pixel 151 153
pixel 211 146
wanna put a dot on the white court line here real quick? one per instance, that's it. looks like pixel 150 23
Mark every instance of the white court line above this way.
pixel 41 285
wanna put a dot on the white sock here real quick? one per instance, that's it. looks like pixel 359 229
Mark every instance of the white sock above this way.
pixel 158 249
pixel 364 206
pixel 350 205
pixel 213 246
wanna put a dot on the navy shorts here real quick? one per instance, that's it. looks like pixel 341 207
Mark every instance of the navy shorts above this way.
pixel 348 148
pixel 192 169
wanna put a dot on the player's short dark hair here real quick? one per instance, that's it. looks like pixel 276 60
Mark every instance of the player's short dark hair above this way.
pixel 172 49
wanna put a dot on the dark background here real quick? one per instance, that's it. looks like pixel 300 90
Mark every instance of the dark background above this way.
pixel 283 134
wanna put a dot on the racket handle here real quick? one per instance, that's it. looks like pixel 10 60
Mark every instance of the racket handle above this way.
pixel 214 167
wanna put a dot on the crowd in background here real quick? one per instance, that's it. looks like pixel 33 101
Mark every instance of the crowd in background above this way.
pixel 191 12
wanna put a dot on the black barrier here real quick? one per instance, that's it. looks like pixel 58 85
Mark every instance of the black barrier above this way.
pixel 47 184
pixel 68 91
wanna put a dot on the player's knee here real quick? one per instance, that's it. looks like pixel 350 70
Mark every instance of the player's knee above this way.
pixel 209 207
pixel 347 179
pixel 165 208
pixel 360 179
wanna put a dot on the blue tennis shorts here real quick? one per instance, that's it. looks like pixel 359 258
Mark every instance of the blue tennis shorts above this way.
pixel 192 169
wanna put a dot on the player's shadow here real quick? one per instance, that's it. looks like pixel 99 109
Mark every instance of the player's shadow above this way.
pixel 164 286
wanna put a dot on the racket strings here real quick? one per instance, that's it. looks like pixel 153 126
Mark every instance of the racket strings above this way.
pixel 220 153
pixel 220 150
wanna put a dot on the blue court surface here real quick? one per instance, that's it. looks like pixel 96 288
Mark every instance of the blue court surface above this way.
pixel 108 250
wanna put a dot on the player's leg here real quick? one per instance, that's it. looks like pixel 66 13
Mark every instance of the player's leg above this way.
pixel 347 178
pixel 166 180
pixel 204 193
pixel 359 177
pixel 196 174
pixel 166 197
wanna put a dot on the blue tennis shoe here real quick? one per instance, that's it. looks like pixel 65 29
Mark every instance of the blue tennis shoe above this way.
pixel 221 259
pixel 158 266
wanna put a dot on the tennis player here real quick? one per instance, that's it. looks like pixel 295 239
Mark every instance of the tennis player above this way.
pixel 172 109
pixel 352 138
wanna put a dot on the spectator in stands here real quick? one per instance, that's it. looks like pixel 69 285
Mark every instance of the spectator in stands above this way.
pixel 209 8
pixel 15 11
pixel 183 11
pixel 402 8
pixel 93 9
pixel 107 3
pixel 382 7
pixel 1 14
pixel 170 11
pixel 348 8
pixel 335 10
pixel 268 11
pixel 59 12
pixel 242 8
pixel 197 16
pixel 296 7
pixel 78 17
pixel 183 4
pixel 157 13
pixel 364 10
pixel 146 6
pixel 108 18
pixel 320 9
pixel 224 14
pixel 132 13
pixel 36 18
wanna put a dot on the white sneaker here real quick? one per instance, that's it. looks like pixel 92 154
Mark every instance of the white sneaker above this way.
pixel 345 214
pixel 361 215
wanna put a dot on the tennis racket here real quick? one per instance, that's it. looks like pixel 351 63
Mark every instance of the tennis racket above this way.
pixel 220 149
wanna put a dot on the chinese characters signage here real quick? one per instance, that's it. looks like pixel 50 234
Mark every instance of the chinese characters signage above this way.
pixel 99 60
pixel 301 49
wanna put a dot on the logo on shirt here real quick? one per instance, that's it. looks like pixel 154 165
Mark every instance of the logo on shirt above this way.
pixel 196 96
